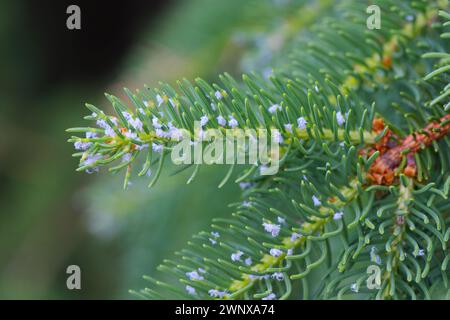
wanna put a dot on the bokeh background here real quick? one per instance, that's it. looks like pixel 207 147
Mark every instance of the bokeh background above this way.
pixel 51 216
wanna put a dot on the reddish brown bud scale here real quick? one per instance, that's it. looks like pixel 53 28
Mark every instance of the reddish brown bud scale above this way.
pixel 383 169
pixel 387 62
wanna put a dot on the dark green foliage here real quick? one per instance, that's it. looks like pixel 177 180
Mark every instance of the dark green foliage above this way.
pixel 334 223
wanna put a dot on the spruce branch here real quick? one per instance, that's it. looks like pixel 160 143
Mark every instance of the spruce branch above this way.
pixel 360 183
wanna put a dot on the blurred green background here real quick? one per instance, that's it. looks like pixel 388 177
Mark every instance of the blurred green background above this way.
pixel 51 216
